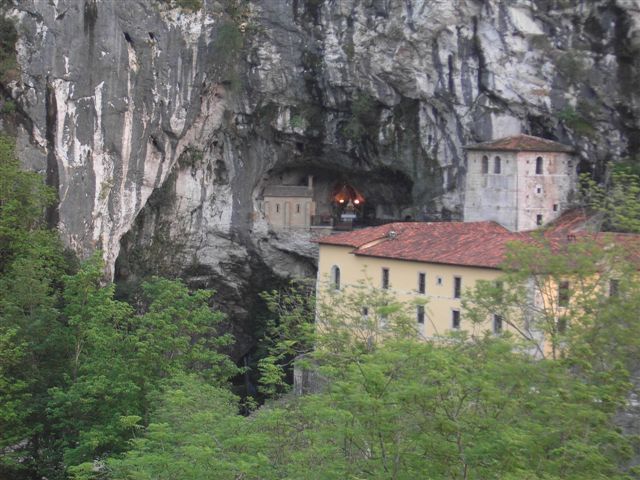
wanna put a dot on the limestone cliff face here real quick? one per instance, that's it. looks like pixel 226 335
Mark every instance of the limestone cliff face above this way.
pixel 160 126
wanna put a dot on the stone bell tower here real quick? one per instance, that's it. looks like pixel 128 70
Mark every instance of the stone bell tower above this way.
pixel 521 182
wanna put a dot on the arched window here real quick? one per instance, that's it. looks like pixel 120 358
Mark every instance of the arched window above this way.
pixel 539 166
pixel 485 164
pixel 335 277
pixel 497 165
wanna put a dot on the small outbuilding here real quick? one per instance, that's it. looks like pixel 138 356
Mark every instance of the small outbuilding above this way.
pixel 289 206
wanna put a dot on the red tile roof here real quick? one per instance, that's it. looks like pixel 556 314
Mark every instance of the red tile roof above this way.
pixel 473 244
pixel 478 244
pixel 576 225
pixel 522 143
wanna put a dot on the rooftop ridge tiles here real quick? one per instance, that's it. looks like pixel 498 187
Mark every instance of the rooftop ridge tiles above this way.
pixel 521 142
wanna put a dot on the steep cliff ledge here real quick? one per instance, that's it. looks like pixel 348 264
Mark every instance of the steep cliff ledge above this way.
pixel 160 125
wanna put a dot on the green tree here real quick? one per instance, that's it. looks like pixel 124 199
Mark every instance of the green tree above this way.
pixel 119 360
pixel 618 202
pixel 33 334
pixel 406 410
pixel 196 432
pixel 363 119
pixel 289 333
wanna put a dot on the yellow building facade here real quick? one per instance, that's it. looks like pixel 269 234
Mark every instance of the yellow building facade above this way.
pixel 416 263
pixel 431 267
pixel 443 311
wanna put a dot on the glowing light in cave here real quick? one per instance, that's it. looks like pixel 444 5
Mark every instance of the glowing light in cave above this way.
pixel 344 193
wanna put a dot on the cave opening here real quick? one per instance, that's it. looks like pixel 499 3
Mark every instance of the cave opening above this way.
pixel 338 197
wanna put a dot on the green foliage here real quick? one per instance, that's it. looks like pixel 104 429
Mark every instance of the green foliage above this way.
pixel 189 5
pixel 8 63
pixel 8 107
pixel 289 333
pixel 119 360
pixel 571 66
pixel 363 120
pixel 228 45
pixel 32 336
pixel 406 410
pixel 298 122
pixel 527 296
pixel 23 199
pixel 96 388
pixel 79 369
pixel 576 121
pixel 193 5
pixel 196 432
pixel 356 320
pixel 618 202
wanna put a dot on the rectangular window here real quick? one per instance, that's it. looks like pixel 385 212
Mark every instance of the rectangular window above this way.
pixel 297 208
pixel 538 219
pixel 614 287
pixel 457 287
pixel 497 167
pixel 563 294
pixel 561 324
pixel 385 278
pixel 497 324
pixel 555 207
pixel 455 319
pixel 499 290
pixel 422 283
pixel 365 313
pixel 420 314
pixel 485 164
pixel 539 166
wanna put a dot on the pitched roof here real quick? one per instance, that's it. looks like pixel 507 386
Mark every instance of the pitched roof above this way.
pixel 522 143
pixel 287 191
pixel 472 244
pixel 478 244
pixel 576 225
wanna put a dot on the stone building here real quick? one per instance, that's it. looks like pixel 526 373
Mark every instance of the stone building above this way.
pixel 521 182
pixel 289 206
pixel 432 265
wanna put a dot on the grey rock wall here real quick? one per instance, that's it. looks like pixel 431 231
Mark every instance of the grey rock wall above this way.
pixel 160 126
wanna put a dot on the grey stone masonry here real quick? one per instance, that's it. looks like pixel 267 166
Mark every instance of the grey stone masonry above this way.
pixel 520 187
